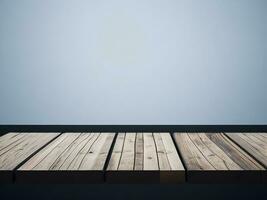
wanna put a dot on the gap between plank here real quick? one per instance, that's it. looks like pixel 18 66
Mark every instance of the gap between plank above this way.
pixel 180 155
pixel 30 156
pixel 109 155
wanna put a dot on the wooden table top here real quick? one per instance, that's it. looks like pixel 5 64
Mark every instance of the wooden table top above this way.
pixel 133 157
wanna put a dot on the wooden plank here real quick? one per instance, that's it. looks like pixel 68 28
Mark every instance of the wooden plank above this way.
pixel 76 162
pixel 9 138
pixel 175 167
pixel 117 151
pixel 251 143
pixel 234 152
pixel 194 160
pixel 163 161
pixel 144 158
pixel 127 158
pixel 61 162
pixel 15 148
pixel 96 158
pixel 173 157
pixel 150 153
pixel 71 158
pixel 254 144
pixel 139 149
pixel 212 157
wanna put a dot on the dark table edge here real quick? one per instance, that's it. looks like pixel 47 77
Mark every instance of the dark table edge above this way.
pixel 132 128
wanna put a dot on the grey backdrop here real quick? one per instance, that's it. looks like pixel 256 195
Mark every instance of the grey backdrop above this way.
pixel 133 62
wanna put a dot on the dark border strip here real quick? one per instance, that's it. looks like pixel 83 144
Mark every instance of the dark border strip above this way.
pixel 132 128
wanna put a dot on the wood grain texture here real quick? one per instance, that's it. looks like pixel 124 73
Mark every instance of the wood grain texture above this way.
pixel 17 147
pixel 133 157
pixel 213 157
pixel 144 158
pixel 254 144
pixel 71 158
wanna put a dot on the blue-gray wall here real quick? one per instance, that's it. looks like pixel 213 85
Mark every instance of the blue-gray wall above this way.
pixel 133 62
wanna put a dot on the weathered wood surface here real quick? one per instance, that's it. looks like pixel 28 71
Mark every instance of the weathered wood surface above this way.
pixel 133 157
pixel 71 158
pixel 145 157
pixel 16 148
pixel 213 157
pixel 254 144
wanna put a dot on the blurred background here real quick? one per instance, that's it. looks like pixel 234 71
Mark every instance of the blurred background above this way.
pixel 133 62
